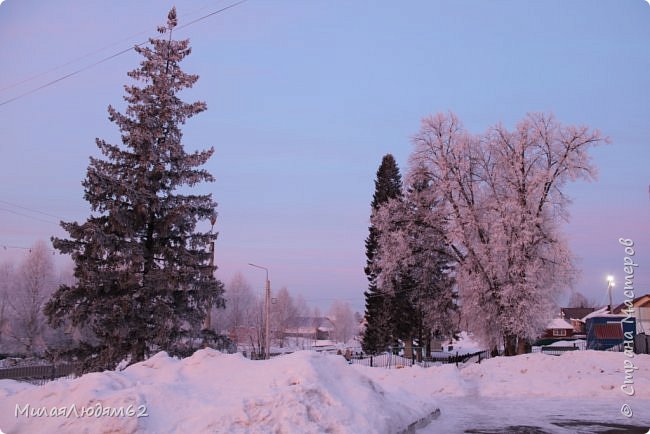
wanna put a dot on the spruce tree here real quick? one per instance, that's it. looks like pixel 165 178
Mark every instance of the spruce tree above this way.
pixel 431 310
pixel 378 335
pixel 144 276
pixel 414 263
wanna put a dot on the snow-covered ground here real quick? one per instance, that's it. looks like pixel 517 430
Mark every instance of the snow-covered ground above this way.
pixel 465 344
pixel 308 392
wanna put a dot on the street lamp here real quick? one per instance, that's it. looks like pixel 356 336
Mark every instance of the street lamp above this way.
pixel 610 285
pixel 267 307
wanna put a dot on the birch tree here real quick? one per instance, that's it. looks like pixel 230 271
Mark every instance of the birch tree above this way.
pixel 240 304
pixel 345 326
pixel 34 284
pixel 503 193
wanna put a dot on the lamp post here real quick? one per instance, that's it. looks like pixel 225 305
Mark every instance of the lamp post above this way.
pixel 267 307
pixel 610 285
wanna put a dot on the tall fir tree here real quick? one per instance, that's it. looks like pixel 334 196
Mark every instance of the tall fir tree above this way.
pixel 143 269
pixel 378 334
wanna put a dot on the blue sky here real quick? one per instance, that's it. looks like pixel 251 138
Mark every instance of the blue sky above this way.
pixel 304 98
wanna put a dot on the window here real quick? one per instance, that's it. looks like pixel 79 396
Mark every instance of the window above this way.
pixel 559 332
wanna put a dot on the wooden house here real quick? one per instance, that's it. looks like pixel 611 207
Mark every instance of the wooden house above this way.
pixel 558 329
pixel 575 316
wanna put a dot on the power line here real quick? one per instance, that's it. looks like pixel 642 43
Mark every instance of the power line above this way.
pixel 212 13
pixel 92 65
pixel 5 247
pixel 15 247
pixel 29 216
pixel 31 209
pixel 33 77
pixel 76 59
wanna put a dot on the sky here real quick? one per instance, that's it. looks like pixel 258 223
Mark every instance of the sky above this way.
pixel 304 99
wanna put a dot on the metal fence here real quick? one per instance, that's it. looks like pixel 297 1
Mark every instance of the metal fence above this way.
pixel 39 374
pixel 559 350
pixel 393 361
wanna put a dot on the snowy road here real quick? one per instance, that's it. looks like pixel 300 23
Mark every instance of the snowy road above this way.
pixel 537 416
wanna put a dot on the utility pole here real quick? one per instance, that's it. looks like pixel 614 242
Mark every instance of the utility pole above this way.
pixel 267 312
pixel 610 284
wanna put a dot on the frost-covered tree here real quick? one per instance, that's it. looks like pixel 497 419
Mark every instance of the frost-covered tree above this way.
pixel 503 192
pixel 34 284
pixel 283 312
pixel 345 326
pixel 377 335
pixel 7 284
pixel 415 263
pixel 578 299
pixel 240 304
pixel 142 265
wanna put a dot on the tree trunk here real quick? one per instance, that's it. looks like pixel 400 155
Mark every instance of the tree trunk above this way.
pixel 418 353
pixel 510 344
pixel 408 348
pixel 427 345
pixel 521 345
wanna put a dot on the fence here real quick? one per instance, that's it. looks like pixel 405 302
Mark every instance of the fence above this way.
pixel 559 350
pixel 642 344
pixel 394 361
pixel 38 374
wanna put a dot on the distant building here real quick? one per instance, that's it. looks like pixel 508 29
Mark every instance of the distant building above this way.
pixel 575 316
pixel 606 330
pixel 558 329
pixel 309 327
pixel 641 306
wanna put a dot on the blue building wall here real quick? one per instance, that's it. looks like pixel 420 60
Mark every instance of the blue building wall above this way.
pixel 593 343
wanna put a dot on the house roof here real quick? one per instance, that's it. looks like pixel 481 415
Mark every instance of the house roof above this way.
pixel 570 313
pixel 602 313
pixel 637 302
pixel 608 331
pixel 559 323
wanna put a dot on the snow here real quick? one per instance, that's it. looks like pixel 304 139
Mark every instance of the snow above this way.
pixel 602 313
pixel 559 323
pixel 465 344
pixel 304 392
pixel 309 392
pixel 580 343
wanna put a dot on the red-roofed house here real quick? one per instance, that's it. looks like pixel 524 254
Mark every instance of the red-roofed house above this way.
pixel 558 329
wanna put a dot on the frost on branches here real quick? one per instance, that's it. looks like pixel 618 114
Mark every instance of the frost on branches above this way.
pixel 144 278
pixel 378 336
pixel 503 195
pixel 414 263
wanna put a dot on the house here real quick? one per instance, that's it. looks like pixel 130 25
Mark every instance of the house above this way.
pixel 558 329
pixel 606 330
pixel 641 312
pixel 315 328
pixel 575 315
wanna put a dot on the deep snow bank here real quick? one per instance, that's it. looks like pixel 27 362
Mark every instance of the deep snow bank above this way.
pixel 303 392
pixel 586 374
